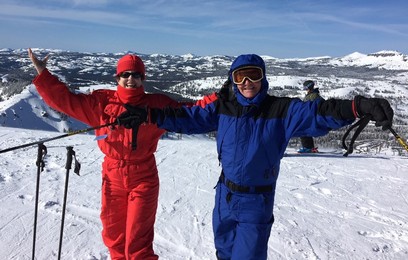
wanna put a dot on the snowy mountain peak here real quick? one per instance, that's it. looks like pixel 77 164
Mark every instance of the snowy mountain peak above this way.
pixel 389 60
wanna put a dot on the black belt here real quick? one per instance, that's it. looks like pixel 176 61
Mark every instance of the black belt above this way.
pixel 245 189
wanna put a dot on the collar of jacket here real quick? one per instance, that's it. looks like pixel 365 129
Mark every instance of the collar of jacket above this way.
pixel 257 100
pixel 130 95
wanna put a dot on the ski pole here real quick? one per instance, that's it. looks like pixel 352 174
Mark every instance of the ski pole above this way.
pixel 42 151
pixel 399 139
pixel 70 154
pixel 57 137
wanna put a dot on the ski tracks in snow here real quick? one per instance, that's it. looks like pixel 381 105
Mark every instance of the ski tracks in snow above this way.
pixel 191 193
pixel 330 222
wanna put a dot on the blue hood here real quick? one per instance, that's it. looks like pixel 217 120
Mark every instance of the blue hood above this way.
pixel 250 60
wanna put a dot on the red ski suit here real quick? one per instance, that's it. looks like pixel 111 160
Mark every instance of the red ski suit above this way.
pixel 130 183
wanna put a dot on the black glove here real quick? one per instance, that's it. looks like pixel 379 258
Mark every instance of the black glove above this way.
pixel 133 117
pixel 378 108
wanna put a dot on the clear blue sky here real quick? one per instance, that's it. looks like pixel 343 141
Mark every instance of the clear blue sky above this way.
pixel 279 28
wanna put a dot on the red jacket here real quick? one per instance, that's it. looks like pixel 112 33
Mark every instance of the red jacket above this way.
pixel 102 107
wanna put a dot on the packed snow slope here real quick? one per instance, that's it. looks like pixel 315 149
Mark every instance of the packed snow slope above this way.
pixel 327 206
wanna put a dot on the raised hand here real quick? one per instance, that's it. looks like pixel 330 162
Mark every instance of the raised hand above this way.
pixel 39 65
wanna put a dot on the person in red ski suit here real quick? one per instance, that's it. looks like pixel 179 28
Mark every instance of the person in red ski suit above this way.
pixel 130 183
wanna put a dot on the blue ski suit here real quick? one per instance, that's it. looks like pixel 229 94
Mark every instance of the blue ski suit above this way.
pixel 252 135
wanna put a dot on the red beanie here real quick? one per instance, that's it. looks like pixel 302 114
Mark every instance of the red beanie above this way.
pixel 131 62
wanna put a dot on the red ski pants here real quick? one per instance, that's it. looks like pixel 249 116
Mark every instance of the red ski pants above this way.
pixel 129 203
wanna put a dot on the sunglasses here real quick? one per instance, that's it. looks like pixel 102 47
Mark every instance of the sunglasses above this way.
pixel 253 74
pixel 128 74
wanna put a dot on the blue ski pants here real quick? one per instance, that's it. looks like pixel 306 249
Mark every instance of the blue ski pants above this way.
pixel 242 224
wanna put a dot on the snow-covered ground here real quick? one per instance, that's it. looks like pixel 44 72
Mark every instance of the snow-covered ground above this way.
pixel 327 206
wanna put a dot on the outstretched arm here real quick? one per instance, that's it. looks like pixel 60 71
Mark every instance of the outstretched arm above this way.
pixel 57 95
pixel 318 117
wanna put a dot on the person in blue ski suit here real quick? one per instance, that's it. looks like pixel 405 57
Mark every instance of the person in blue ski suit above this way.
pixel 253 131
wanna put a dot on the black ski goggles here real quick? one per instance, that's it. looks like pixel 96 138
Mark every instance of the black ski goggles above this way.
pixel 251 73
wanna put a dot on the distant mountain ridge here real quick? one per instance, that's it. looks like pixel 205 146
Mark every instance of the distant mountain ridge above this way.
pixel 380 74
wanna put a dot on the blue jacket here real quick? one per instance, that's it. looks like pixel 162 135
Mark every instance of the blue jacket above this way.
pixel 252 135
